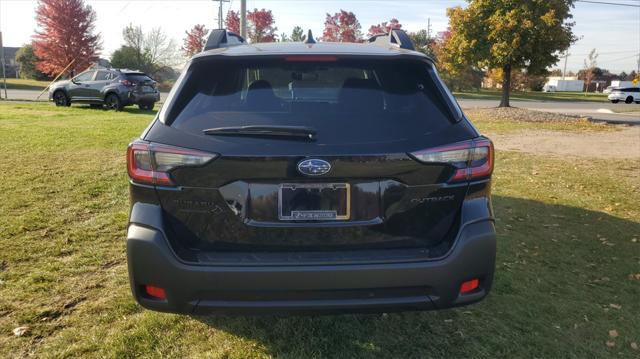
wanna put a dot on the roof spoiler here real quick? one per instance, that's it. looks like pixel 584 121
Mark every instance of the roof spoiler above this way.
pixel 219 38
pixel 396 37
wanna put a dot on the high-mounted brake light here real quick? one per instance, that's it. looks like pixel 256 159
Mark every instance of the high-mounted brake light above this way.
pixel 150 163
pixel 311 58
pixel 472 159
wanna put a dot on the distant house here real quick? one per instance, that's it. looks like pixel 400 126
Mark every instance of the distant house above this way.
pixel 11 67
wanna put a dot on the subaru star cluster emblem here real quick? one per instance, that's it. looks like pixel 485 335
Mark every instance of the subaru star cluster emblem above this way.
pixel 314 167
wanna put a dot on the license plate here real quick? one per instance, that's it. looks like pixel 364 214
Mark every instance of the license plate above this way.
pixel 314 201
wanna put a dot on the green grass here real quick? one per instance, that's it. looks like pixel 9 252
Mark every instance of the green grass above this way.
pixel 24 84
pixel 485 94
pixel 566 250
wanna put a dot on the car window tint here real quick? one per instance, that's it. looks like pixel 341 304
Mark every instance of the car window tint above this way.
pixel 103 76
pixel 85 76
pixel 393 100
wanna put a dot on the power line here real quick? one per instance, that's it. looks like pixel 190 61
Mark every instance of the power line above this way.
pixel 607 3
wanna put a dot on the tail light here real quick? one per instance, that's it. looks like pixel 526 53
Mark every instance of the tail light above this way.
pixel 127 83
pixel 472 159
pixel 150 163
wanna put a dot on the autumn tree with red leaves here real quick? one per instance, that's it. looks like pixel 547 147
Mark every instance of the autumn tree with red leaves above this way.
pixel 343 26
pixel 232 21
pixel 66 33
pixel 195 40
pixel 259 25
pixel 384 27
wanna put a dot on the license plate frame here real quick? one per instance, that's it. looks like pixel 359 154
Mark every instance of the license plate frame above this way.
pixel 315 214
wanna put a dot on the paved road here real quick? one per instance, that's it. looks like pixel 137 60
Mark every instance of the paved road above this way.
pixel 596 110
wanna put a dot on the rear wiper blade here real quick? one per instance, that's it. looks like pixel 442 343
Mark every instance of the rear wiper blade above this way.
pixel 291 132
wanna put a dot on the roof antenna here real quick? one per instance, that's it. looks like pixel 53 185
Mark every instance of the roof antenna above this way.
pixel 310 39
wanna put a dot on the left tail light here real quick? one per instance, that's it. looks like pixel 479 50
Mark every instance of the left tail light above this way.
pixel 150 163
pixel 472 159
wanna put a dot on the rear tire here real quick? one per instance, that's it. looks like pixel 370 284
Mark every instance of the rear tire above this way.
pixel 629 100
pixel 615 101
pixel 146 106
pixel 113 102
pixel 60 98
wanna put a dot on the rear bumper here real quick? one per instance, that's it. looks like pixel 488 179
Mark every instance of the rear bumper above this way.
pixel 197 289
pixel 144 97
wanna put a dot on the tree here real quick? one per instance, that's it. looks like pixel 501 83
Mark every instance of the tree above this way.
pixel 343 26
pixel 297 34
pixel 590 64
pixel 195 40
pixel 423 43
pixel 27 61
pixel 232 21
pixel 126 58
pixel 66 34
pixel 510 35
pixel 384 27
pixel 260 26
pixel 145 51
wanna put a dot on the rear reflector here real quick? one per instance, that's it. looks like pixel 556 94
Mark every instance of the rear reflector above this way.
pixel 469 286
pixel 472 159
pixel 155 292
pixel 150 163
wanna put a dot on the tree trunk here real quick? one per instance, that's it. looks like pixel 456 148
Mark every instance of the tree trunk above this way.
pixel 506 85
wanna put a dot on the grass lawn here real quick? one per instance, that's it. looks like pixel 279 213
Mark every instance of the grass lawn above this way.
pixel 568 268
pixel 24 84
pixel 485 94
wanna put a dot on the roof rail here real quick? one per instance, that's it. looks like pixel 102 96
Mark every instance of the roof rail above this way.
pixel 396 37
pixel 222 38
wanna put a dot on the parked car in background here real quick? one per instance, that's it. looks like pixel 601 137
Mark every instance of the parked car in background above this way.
pixel 110 88
pixel 627 94
pixel 304 177
pixel 608 89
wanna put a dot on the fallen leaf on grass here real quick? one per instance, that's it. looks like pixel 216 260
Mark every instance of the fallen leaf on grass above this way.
pixel 610 344
pixel 615 306
pixel 634 346
pixel 613 333
pixel 634 276
pixel 20 331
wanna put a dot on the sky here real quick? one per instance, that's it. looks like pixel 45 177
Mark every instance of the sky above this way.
pixel 614 31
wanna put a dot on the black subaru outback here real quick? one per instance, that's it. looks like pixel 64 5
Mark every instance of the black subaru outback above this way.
pixel 310 177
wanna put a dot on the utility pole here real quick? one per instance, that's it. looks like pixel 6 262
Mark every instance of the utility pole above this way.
pixel 4 77
pixel 243 18
pixel 220 13
pixel 428 28
pixel 564 70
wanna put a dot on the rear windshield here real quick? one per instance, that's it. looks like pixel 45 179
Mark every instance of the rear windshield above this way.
pixel 138 77
pixel 370 100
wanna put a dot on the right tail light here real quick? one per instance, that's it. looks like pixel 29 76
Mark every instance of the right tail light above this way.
pixel 472 159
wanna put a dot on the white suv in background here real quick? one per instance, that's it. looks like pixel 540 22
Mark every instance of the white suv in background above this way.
pixel 626 94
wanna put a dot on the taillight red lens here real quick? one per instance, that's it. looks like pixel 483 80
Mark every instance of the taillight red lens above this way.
pixel 127 83
pixel 150 163
pixel 472 159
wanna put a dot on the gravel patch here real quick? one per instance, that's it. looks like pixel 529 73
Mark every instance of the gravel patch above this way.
pixel 524 115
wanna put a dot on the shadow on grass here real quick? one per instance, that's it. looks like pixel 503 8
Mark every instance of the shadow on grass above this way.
pixel 129 109
pixel 524 296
